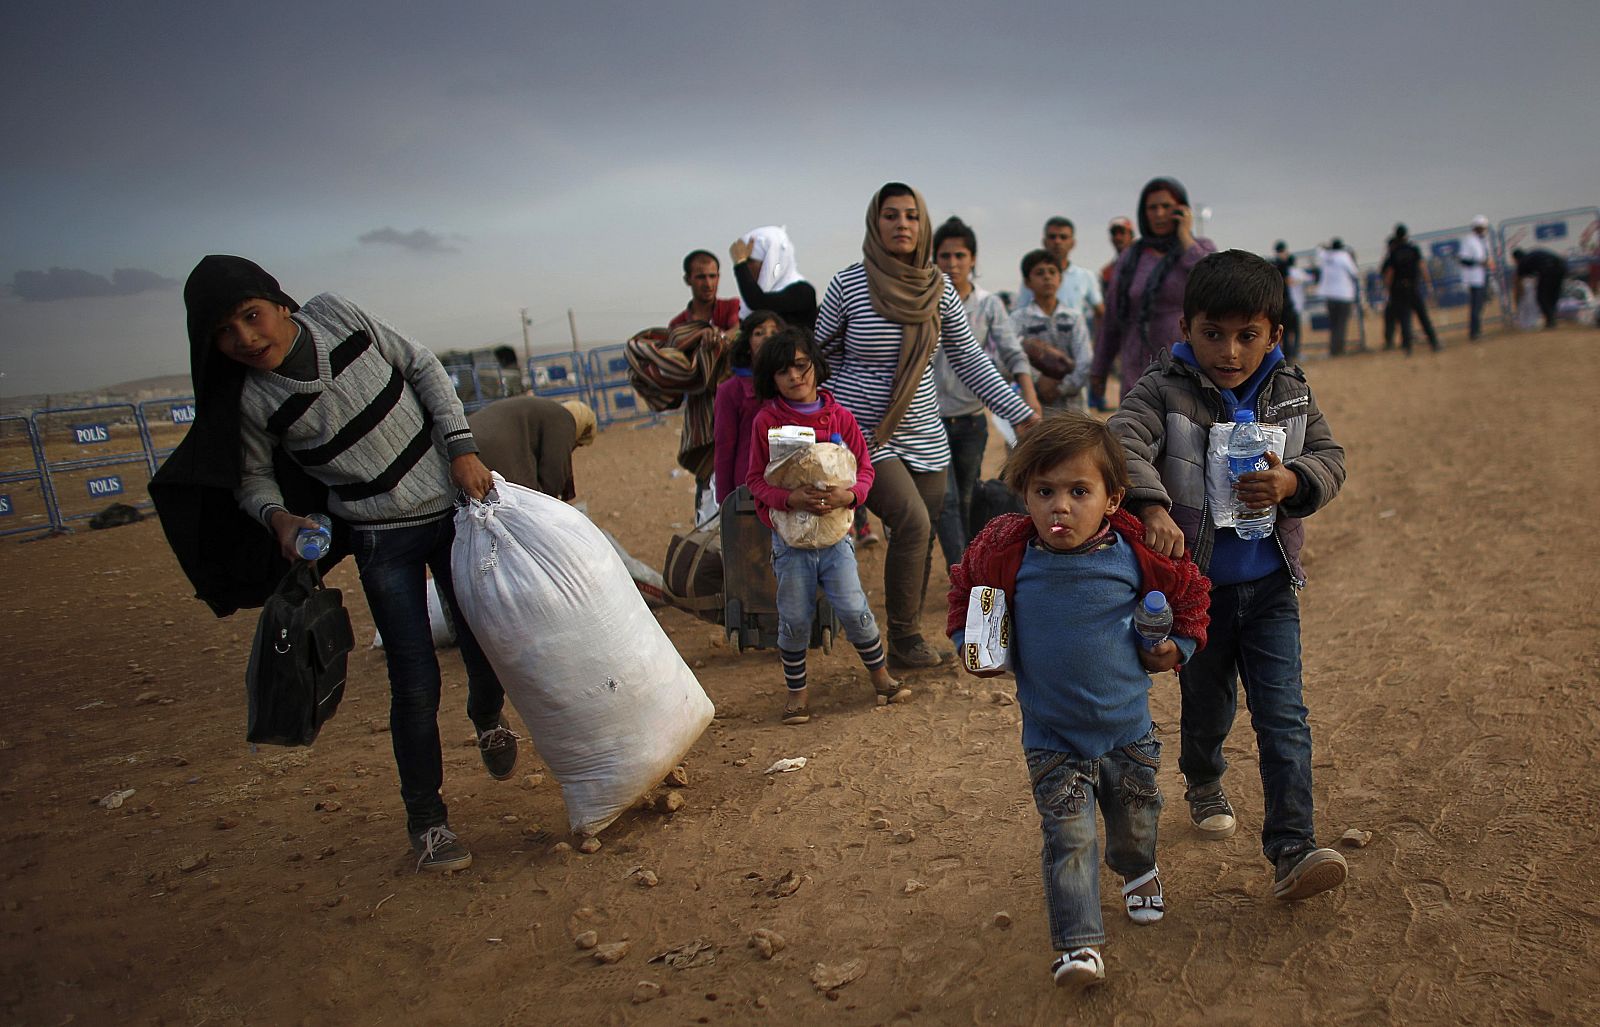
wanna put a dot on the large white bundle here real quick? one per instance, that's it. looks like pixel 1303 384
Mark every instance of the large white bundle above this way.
pixel 610 704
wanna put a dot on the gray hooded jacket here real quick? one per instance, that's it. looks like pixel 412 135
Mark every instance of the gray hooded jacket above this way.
pixel 1164 424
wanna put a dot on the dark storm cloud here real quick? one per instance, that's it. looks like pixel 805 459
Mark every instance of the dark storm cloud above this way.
pixel 419 240
pixel 71 283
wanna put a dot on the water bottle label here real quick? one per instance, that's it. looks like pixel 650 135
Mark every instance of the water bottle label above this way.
pixel 1242 465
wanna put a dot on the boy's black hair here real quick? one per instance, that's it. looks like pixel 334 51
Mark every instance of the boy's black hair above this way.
pixel 1032 259
pixel 1060 222
pixel 1234 283
pixel 695 255
pixel 739 356
pixel 778 353
pixel 955 228
pixel 1062 436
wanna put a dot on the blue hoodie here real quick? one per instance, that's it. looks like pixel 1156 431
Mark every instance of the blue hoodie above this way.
pixel 1233 559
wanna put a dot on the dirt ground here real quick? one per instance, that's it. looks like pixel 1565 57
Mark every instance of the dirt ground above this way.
pixel 1451 670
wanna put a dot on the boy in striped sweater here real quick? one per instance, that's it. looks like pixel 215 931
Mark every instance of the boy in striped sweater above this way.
pixel 371 415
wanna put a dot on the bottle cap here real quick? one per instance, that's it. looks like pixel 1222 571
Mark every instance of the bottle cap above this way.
pixel 837 439
pixel 1243 414
pixel 1155 601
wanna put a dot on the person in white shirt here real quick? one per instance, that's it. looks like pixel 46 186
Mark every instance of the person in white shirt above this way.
pixel 1476 260
pixel 1337 282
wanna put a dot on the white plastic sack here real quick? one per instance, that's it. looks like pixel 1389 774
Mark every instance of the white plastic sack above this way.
pixel 610 704
pixel 1218 487
pixel 444 632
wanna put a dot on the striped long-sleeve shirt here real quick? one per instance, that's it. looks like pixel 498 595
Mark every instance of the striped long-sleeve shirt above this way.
pixel 863 349
pixel 379 426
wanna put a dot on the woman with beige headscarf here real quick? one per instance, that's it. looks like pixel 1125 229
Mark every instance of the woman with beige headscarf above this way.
pixel 530 439
pixel 879 324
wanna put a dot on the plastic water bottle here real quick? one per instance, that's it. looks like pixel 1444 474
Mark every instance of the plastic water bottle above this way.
pixel 1152 619
pixel 1247 452
pixel 313 543
pixel 836 439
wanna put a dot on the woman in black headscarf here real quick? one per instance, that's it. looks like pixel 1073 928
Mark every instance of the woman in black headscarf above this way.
pixel 1145 299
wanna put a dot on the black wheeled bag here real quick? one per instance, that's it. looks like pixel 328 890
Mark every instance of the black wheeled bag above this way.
pixel 297 662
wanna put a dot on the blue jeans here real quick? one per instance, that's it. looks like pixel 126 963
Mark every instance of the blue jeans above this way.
pixel 800 572
pixel 1066 790
pixel 968 435
pixel 1477 295
pixel 1254 638
pixel 392 563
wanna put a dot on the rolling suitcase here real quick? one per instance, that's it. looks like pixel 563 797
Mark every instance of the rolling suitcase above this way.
pixel 749 591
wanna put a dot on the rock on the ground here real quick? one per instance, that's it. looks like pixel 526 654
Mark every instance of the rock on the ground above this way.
pixel 611 952
pixel 767 942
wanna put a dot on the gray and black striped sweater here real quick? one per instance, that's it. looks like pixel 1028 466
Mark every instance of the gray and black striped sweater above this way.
pixel 379 426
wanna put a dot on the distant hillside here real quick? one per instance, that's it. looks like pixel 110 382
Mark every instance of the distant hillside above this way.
pixel 126 392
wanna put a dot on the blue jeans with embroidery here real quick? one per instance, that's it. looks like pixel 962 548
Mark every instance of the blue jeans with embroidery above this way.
pixel 393 562
pixel 1066 789
pixel 800 572
pixel 1254 638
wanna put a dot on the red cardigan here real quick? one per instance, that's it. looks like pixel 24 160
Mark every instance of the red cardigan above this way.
pixel 995 556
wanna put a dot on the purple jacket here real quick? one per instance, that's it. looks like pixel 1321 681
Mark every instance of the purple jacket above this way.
pixel 732 413
pixel 1119 341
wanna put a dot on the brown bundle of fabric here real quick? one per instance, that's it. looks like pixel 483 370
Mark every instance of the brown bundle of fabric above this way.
pixel 682 367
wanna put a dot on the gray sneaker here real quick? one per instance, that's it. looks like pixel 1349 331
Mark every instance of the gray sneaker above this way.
pixel 498 747
pixel 438 851
pixel 915 654
pixel 1309 872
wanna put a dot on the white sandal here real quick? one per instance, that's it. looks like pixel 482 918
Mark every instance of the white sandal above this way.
pixel 1144 909
pixel 1078 969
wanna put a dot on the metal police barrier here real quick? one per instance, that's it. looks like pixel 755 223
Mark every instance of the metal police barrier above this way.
pixel 92 456
pixel 162 424
pixel 559 375
pixel 478 385
pixel 1573 235
pixel 24 492
pixel 1447 298
pixel 614 397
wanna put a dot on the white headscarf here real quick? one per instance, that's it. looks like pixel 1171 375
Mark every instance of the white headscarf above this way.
pixel 771 246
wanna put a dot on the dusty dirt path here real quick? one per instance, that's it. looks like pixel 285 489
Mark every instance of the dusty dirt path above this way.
pixel 1452 661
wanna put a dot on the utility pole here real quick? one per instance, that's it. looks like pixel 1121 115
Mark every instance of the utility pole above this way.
pixel 572 323
pixel 527 352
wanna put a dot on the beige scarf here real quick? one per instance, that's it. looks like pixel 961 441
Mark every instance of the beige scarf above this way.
pixel 906 293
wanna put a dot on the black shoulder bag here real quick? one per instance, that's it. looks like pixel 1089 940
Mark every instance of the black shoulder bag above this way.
pixel 297 661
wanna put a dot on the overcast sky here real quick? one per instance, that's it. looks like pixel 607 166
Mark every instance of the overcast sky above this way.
pixel 446 165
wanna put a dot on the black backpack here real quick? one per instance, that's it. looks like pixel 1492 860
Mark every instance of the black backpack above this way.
pixel 297 661
pixel 992 497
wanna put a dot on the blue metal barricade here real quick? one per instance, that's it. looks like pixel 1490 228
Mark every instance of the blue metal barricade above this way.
pixel 162 424
pixel 92 456
pixel 559 375
pixel 25 504
pixel 614 398
pixel 1572 234
pixel 1448 300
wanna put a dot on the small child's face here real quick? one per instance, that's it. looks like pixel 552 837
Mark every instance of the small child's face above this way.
pixel 797 383
pixel 1044 279
pixel 761 333
pixel 258 334
pixel 1068 502
pixel 1230 349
